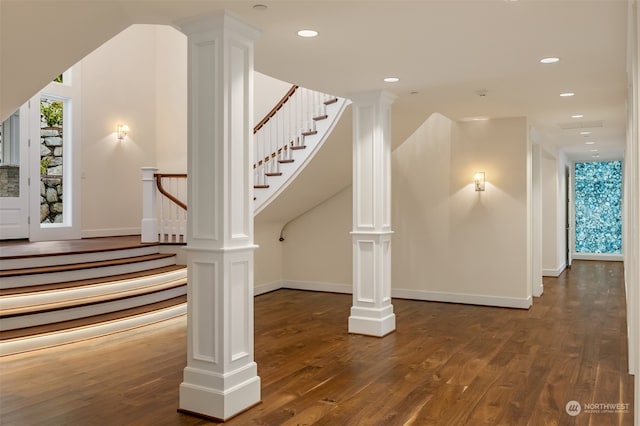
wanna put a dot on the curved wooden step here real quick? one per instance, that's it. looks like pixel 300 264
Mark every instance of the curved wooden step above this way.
pixel 90 309
pixel 12 278
pixel 49 335
pixel 64 295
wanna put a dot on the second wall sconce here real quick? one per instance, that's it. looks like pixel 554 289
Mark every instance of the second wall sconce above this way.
pixel 478 178
pixel 121 131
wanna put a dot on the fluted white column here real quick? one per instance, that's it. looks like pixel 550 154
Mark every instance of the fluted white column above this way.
pixel 372 311
pixel 149 225
pixel 220 379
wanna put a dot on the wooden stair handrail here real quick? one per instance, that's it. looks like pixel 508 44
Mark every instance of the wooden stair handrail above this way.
pixel 164 192
pixel 275 109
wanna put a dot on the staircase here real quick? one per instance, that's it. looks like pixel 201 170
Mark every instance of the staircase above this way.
pixel 52 298
pixel 289 137
pixel 286 140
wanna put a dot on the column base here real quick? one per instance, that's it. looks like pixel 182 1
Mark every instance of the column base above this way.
pixel 220 404
pixel 372 321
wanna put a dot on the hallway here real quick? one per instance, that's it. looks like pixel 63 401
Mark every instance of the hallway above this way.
pixel 446 364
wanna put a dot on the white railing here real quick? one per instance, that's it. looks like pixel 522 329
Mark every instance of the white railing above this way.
pixel 290 126
pixel 284 130
pixel 164 207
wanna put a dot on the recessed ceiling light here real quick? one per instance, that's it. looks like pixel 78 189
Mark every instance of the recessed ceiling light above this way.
pixel 594 150
pixel 391 79
pixel 589 143
pixel 260 7
pixel 596 155
pixel 567 94
pixel 308 33
pixel 585 133
pixel 577 116
pixel 550 60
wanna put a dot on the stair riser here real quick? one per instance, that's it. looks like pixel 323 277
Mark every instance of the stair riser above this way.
pixel 24 321
pixel 47 300
pixel 68 259
pixel 82 274
pixel 17 346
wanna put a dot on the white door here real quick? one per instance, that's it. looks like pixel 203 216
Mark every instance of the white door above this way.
pixel 14 175
pixel 54 132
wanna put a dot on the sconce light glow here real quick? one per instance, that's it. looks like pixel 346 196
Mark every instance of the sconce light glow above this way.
pixel 121 131
pixel 478 179
pixel 308 33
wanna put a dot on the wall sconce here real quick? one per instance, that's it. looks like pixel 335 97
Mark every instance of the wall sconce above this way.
pixel 478 178
pixel 121 131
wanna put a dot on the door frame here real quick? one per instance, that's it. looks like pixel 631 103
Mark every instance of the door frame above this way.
pixel 70 93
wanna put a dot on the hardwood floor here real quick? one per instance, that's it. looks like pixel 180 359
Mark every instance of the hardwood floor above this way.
pixel 23 248
pixel 446 364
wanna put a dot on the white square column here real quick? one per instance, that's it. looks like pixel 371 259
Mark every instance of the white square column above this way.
pixel 221 378
pixel 372 311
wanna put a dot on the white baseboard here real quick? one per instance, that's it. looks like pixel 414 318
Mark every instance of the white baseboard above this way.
pixel 109 232
pixel 554 272
pixel 430 296
pixel 468 299
pixel 318 286
pixel 537 291
pixel 259 289
pixel 598 256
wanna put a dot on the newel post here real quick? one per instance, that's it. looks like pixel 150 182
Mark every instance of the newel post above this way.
pixel 149 226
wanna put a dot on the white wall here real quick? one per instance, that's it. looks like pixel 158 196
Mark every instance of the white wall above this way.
pixel 171 100
pixel 479 249
pixel 632 201
pixel 317 246
pixel 118 85
pixel 450 243
pixel 268 257
pixel 554 246
pixel 267 92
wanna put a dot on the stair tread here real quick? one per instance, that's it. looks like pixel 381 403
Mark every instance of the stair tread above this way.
pixel 296 147
pixel 93 299
pixel 92 320
pixel 331 101
pixel 91 281
pixel 80 266
pixel 273 174
pixel 22 250
pixel 260 186
pixel 310 133
pixel 320 117
pixel 285 161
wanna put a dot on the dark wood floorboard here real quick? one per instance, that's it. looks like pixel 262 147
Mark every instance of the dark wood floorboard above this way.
pixel 446 364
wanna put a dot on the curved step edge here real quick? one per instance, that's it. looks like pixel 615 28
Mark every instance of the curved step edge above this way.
pixel 20 345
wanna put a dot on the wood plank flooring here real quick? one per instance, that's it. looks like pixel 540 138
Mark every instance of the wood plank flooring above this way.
pixel 22 248
pixel 446 364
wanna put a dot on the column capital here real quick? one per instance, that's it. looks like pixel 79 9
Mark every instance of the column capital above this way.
pixel 373 97
pixel 216 21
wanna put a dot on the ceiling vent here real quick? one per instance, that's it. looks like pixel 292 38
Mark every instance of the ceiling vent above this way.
pixel 581 125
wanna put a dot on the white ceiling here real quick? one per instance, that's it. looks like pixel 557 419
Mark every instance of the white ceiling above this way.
pixel 444 50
